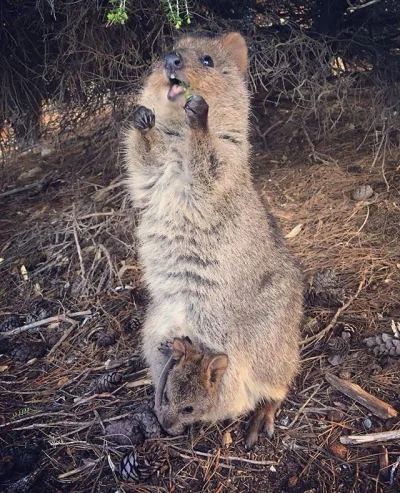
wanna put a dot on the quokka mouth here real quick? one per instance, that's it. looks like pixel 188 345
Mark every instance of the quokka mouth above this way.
pixel 177 88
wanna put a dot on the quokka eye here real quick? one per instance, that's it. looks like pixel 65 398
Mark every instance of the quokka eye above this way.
pixel 207 61
pixel 188 410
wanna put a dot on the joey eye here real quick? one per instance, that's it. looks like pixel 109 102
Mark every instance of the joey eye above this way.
pixel 207 61
pixel 188 410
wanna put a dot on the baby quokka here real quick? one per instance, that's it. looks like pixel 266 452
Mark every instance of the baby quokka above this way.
pixel 222 329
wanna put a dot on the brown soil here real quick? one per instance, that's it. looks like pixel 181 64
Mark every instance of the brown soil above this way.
pixel 74 236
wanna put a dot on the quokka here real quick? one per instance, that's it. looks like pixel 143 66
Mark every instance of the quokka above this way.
pixel 222 329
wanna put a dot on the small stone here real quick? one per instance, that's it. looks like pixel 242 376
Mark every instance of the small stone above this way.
pixel 396 342
pixel 363 192
pixel 386 337
pixel 335 360
pixel 46 151
pixel 338 450
pixel 398 349
pixel 285 421
pixel 367 423
pixel 335 415
pixel 392 351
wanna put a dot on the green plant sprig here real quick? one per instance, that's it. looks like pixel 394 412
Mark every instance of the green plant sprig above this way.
pixel 188 89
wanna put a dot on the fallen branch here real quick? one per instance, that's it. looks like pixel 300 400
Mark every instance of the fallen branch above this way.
pixel 383 436
pixel 46 321
pixel 376 406
pixel 353 8
pixel 32 186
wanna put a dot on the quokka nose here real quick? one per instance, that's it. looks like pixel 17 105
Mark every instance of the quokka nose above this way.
pixel 173 61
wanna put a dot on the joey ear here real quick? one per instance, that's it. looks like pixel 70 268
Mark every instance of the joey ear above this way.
pixel 237 47
pixel 215 367
pixel 180 347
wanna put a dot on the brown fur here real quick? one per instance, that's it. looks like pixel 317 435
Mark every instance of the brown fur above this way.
pixel 217 268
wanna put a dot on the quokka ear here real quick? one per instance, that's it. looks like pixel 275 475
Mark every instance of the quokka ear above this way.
pixel 215 366
pixel 181 348
pixel 237 47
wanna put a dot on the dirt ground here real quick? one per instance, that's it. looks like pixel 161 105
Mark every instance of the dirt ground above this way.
pixel 67 253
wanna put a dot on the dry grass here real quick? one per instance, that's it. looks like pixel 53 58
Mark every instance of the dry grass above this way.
pixel 76 240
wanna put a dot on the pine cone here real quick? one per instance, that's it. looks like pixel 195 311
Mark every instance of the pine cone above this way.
pixel 25 484
pixel 134 323
pixel 106 383
pixel 363 192
pixel 324 290
pixel 337 347
pixel 13 322
pixel 24 459
pixel 41 311
pixel 141 298
pixel 149 425
pixel 28 350
pixel 384 344
pixel 124 432
pixel 137 364
pixel 134 429
pixel 5 345
pixel 144 461
pixel 106 339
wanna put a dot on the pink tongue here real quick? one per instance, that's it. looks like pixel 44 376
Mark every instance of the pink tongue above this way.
pixel 175 91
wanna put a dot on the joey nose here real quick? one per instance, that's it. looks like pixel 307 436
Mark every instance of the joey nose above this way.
pixel 173 61
pixel 168 423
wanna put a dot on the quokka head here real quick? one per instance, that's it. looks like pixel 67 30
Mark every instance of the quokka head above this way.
pixel 211 67
pixel 191 388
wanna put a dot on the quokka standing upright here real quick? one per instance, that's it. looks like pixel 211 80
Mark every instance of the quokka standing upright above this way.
pixel 224 288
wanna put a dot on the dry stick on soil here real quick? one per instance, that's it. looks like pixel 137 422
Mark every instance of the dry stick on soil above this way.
pixel 228 458
pixel 78 247
pixel 26 188
pixel 89 463
pixel 355 392
pixel 336 316
pixel 383 436
pixel 191 458
pixel 66 334
pixel 57 318
pixel 103 192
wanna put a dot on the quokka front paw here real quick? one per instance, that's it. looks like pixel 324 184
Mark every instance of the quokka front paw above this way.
pixel 166 348
pixel 196 110
pixel 143 119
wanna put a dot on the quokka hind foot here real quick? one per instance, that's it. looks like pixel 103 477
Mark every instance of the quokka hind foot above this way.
pixel 261 420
